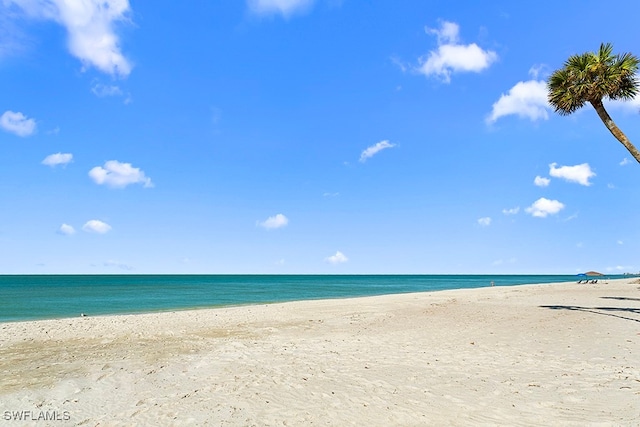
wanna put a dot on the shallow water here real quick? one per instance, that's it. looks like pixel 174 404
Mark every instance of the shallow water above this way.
pixel 30 297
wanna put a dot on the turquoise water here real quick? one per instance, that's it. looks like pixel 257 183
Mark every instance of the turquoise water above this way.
pixel 33 297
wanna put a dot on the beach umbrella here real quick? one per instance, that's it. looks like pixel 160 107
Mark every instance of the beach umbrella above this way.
pixel 593 273
pixel 582 277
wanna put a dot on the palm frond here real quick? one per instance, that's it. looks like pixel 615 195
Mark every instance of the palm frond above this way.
pixel 593 76
pixel 605 54
pixel 564 94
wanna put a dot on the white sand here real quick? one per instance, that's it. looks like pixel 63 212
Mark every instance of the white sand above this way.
pixel 466 357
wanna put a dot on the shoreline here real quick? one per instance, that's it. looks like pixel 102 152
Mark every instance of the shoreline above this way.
pixel 249 304
pixel 565 353
pixel 429 283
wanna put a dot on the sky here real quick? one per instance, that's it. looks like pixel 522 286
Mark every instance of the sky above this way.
pixel 310 136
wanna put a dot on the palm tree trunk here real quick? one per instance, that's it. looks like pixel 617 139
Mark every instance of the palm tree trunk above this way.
pixel 615 130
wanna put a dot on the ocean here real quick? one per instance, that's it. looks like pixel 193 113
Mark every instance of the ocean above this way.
pixel 35 297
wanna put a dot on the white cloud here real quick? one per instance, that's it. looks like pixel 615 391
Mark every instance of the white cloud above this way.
pixel 452 57
pixel 96 226
pixel 67 230
pixel 541 181
pixel 17 123
pixel 57 159
pixel 399 63
pixel 12 38
pixel 542 207
pixel 447 34
pixel 90 29
pixel 338 258
pixel 620 268
pixel 374 149
pixel 536 70
pixel 578 173
pixel 273 222
pixel 624 162
pixel 526 100
pixel 284 7
pixel 485 222
pixel 620 242
pixel 503 261
pixel 115 264
pixel 119 175
pixel 101 90
pixel 511 211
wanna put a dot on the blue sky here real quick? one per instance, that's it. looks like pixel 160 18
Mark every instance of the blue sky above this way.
pixel 302 136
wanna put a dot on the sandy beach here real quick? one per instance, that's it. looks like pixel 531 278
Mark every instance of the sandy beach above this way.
pixel 560 354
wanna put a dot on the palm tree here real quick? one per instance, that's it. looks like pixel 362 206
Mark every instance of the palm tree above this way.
pixel 592 77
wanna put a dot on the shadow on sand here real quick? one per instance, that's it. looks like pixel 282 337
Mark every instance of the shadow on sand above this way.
pixel 603 311
pixel 622 298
